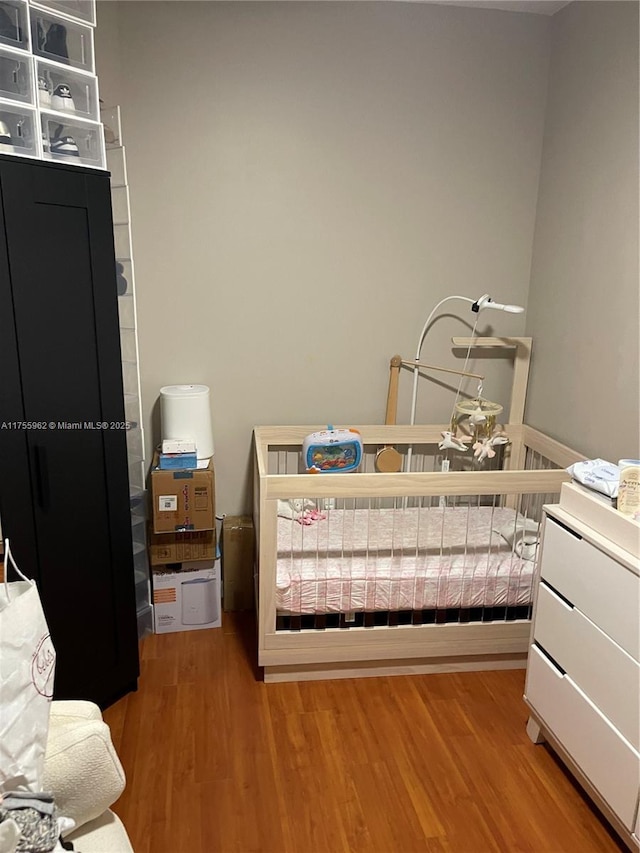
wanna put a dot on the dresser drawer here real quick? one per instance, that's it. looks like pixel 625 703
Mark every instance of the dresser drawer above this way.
pixel 605 591
pixel 601 669
pixel 608 761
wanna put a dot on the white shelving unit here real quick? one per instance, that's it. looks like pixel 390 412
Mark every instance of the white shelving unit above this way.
pixel 117 165
pixel 49 101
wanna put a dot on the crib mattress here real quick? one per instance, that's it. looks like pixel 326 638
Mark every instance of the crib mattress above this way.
pixel 400 559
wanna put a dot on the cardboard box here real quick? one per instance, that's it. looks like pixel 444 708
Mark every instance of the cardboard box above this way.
pixel 187 597
pixel 238 555
pixel 182 500
pixel 180 547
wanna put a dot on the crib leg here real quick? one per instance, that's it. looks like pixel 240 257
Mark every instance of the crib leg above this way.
pixel 534 731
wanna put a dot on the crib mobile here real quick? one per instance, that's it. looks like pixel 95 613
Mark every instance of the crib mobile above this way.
pixel 472 422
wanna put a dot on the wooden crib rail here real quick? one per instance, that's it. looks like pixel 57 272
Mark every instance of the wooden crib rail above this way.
pixel 375 435
pixel 372 434
pixel 522 438
pixel 549 448
pixel 286 486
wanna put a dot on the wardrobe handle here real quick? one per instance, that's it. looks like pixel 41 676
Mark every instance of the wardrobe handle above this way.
pixel 42 477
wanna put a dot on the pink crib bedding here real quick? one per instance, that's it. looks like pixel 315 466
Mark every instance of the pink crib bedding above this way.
pixel 401 559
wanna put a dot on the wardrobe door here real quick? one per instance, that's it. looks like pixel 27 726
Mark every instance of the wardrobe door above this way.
pixel 63 378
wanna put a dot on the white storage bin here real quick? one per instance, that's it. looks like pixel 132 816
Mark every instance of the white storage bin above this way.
pixel 14 24
pixel 63 90
pixel 16 77
pixel 81 10
pixel 18 131
pixel 72 141
pixel 61 40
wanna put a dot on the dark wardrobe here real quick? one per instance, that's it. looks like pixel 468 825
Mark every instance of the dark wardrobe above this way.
pixel 64 490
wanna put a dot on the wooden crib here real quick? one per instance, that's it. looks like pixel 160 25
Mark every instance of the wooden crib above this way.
pixel 421 571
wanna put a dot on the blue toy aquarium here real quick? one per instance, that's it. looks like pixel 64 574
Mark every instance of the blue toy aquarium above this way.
pixel 331 451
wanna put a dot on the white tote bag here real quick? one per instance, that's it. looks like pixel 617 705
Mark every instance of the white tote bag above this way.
pixel 27 667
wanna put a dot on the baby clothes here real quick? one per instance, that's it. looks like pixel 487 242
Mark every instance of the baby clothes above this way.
pixel 36 817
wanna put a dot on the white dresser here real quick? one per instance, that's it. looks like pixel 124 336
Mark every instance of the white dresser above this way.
pixel 583 672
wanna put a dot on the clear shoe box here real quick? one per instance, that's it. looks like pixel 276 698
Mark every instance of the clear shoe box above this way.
pixel 142 589
pixel 81 10
pixel 126 311
pixel 16 77
pixel 130 378
pixel 120 205
pixel 115 161
pixel 18 131
pixel 124 285
pixel 63 90
pixel 128 344
pixel 137 494
pixel 135 449
pixel 122 242
pixel 61 40
pixel 132 410
pixel 14 24
pixel 70 140
pixel 110 117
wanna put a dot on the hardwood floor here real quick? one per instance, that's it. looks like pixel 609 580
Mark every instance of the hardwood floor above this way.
pixel 219 762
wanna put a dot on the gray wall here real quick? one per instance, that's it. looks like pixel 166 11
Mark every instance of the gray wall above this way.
pixel 583 301
pixel 308 179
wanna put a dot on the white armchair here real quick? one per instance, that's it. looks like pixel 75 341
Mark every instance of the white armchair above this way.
pixel 84 773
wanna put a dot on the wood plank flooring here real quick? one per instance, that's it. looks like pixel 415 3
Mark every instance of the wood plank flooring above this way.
pixel 219 762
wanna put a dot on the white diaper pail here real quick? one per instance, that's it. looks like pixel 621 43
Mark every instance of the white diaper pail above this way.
pixel 185 412
pixel 199 601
